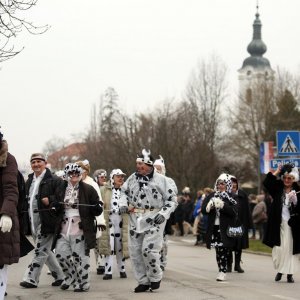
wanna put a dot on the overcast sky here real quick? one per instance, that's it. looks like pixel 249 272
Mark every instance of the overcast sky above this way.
pixel 146 50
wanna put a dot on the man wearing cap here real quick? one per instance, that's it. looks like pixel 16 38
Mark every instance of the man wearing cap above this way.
pixel 41 188
pixel 9 224
pixel 150 199
pixel 115 239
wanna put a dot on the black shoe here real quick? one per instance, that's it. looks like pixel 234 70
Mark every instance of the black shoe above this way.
pixel 107 277
pixel 238 269
pixel 79 290
pixel 64 287
pixel 57 282
pixel 141 288
pixel 5 294
pixel 27 285
pixel 123 275
pixel 155 285
pixel 278 276
pixel 290 278
pixel 100 270
pixel 229 268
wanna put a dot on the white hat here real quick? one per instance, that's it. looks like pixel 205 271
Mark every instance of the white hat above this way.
pixel 290 169
pixel 160 162
pixel 145 157
pixel 115 172
pixel 227 179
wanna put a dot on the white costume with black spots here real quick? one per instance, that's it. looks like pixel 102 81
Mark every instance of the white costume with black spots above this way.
pixel 71 250
pixel 146 196
pixel 115 233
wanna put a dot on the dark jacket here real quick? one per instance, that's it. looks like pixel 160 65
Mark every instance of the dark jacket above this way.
pixel 275 188
pixel 49 187
pixel 227 217
pixel 9 241
pixel 87 195
pixel 245 219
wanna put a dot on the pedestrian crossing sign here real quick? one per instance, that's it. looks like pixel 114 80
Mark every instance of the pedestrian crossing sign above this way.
pixel 288 143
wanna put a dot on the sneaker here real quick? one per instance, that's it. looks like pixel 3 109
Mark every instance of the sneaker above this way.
pixel 123 275
pixel 107 277
pixel 155 285
pixel 141 288
pixel 100 270
pixel 221 276
pixel 57 282
pixel 27 285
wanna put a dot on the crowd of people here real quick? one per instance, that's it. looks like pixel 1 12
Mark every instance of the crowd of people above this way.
pixel 69 213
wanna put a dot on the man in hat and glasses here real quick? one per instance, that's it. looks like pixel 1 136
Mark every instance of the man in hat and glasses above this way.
pixel 149 198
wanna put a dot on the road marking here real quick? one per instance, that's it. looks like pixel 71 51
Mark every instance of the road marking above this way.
pixel 283 297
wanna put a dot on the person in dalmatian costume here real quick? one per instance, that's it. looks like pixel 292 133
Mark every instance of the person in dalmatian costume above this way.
pixel 75 232
pixel 114 241
pixel 160 167
pixel 221 209
pixel 149 198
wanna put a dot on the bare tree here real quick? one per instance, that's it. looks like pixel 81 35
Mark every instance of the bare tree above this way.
pixel 12 23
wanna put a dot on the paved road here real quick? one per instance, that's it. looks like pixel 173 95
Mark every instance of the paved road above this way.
pixel 190 274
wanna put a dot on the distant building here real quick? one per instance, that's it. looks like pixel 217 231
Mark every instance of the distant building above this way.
pixel 71 153
pixel 256 68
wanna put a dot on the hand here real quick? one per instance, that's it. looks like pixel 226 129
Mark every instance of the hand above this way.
pixel 292 196
pixel 123 210
pixel 159 219
pixel 55 206
pixel 102 227
pixel 5 223
pixel 218 203
pixel 209 205
pixel 45 201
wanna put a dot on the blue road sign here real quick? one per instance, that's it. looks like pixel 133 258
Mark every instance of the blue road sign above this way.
pixel 275 162
pixel 288 143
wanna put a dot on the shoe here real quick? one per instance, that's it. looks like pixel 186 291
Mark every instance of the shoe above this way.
pixel 141 288
pixel 278 276
pixel 155 285
pixel 221 276
pixel 238 269
pixel 290 278
pixel 229 268
pixel 57 282
pixel 107 277
pixel 123 275
pixel 27 285
pixel 79 290
pixel 64 287
pixel 5 294
pixel 100 270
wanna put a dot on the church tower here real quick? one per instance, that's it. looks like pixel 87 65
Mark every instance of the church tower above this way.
pixel 256 68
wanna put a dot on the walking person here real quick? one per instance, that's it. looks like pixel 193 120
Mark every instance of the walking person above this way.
pixel 41 188
pixel 75 231
pixel 9 224
pixel 245 219
pixel 114 241
pixel 284 239
pixel 160 167
pixel 150 199
pixel 221 210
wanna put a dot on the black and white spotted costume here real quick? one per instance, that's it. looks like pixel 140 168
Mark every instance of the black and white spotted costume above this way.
pixel 146 197
pixel 76 234
pixel 221 209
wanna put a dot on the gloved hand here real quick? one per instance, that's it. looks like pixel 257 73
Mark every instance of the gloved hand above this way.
pixel 159 219
pixel 292 196
pixel 123 210
pixel 209 205
pixel 219 203
pixel 56 206
pixel 224 195
pixel 5 223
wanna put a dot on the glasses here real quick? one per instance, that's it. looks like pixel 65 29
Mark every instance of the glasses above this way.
pixel 221 183
pixel 74 175
pixel 288 178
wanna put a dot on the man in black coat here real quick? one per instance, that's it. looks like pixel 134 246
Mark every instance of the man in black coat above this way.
pixel 41 187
